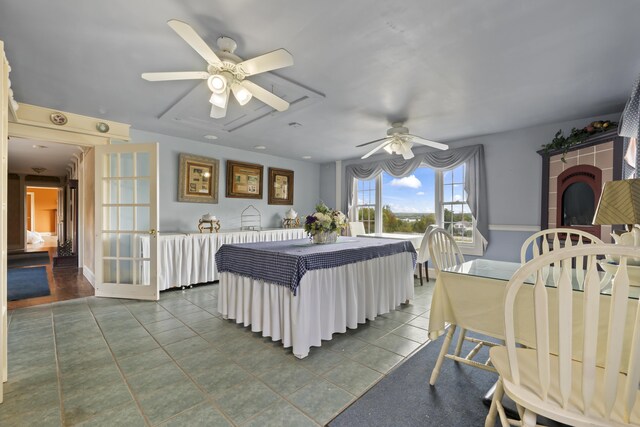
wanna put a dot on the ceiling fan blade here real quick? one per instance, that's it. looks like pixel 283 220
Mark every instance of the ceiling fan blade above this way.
pixel 175 75
pixel 189 35
pixel 265 96
pixel 428 143
pixel 405 151
pixel 372 142
pixel 375 149
pixel 269 61
pixel 217 112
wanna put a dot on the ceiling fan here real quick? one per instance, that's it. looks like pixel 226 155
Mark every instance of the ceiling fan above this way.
pixel 227 72
pixel 400 141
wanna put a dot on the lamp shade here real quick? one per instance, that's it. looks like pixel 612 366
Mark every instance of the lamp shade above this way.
pixel 619 203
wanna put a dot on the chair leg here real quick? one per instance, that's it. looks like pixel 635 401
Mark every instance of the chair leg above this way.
pixel 463 333
pixel 420 272
pixel 490 421
pixel 443 351
pixel 426 269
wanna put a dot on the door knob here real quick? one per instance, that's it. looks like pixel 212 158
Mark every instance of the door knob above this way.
pixel 153 232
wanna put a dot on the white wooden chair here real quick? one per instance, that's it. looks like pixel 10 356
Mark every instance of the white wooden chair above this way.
pixel 572 373
pixel 423 253
pixel 445 253
pixel 552 239
pixel 356 228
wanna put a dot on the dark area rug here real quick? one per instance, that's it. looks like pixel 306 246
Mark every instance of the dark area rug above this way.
pixel 30 282
pixel 405 398
pixel 27 259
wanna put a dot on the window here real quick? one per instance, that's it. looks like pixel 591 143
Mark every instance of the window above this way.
pixel 410 204
pixel 366 204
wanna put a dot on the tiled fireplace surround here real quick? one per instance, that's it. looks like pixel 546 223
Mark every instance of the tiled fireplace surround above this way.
pixel 602 151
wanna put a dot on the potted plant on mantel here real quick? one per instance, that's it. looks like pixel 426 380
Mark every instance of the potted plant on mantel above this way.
pixel 577 136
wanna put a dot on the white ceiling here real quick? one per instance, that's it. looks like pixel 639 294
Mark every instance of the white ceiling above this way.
pixel 26 154
pixel 453 69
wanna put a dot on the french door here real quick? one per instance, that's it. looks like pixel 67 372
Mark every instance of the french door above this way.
pixel 4 137
pixel 126 220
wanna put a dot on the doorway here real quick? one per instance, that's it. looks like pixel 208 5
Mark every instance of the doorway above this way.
pixel 42 218
pixel 46 201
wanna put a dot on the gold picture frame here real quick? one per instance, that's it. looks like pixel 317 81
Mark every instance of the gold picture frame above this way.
pixel 198 180
pixel 244 180
pixel 280 186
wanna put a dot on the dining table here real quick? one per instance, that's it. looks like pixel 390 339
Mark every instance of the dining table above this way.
pixel 471 296
pixel 414 238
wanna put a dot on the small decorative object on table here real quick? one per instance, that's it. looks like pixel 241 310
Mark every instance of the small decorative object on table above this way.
pixel 324 225
pixel 291 219
pixel 209 222
pixel 251 219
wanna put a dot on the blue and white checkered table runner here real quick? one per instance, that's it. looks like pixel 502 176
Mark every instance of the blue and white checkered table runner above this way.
pixel 285 262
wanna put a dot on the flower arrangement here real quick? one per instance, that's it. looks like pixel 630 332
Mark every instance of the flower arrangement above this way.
pixel 577 136
pixel 323 222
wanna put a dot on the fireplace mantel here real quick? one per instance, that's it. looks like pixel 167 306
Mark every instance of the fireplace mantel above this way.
pixel 601 151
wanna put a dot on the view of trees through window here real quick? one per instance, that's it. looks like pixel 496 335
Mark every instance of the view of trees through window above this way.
pixel 409 203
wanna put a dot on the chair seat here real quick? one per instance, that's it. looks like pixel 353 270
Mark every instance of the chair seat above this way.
pixel 526 394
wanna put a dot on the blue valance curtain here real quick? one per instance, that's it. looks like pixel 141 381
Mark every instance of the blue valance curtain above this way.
pixel 475 184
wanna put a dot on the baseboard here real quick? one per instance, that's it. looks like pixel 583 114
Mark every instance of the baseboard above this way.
pixel 88 274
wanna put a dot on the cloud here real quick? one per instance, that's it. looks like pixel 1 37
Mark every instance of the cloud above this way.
pixel 407 181
pixel 420 193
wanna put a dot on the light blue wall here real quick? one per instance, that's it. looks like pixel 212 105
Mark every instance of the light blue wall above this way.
pixel 182 216
pixel 328 184
pixel 514 179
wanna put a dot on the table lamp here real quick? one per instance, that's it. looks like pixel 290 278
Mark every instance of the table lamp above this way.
pixel 619 204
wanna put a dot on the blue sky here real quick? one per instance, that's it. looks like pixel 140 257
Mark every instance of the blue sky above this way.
pixel 411 194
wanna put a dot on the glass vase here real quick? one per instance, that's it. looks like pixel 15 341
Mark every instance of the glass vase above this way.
pixel 322 237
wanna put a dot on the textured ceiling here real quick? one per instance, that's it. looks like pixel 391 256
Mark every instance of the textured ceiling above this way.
pixel 452 69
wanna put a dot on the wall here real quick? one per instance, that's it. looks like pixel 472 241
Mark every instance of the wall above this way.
pixel 328 184
pixel 182 216
pixel 46 208
pixel 514 179
pixel 14 213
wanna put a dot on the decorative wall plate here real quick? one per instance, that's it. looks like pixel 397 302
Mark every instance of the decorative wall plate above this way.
pixel 58 119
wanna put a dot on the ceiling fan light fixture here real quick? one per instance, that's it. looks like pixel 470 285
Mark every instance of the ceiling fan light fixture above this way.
pixel 388 148
pixel 219 99
pixel 217 83
pixel 241 94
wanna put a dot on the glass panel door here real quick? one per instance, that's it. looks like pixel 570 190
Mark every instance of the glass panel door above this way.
pixel 126 221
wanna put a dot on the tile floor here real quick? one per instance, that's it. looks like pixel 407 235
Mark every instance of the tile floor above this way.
pixel 96 361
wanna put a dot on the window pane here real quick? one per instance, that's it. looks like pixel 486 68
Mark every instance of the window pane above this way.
pixel 109 244
pixel 142 194
pixel 142 164
pixel 126 164
pixel 367 204
pixel 110 271
pixel 458 175
pixel 447 177
pixel 126 218
pixel 408 203
pixel 126 191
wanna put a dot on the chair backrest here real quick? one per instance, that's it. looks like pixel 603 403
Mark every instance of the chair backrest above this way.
pixel 552 239
pixel 443 249
pixel 423 252
pixel 581 339
pixel 356 228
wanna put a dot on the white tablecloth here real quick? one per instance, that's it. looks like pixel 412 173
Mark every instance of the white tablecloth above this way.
pixel 328 300
pixel 415 239
pixel 188 259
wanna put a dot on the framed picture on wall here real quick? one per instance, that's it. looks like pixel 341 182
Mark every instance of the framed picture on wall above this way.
pixel 198 180
pixel 244 180
pixel 280 186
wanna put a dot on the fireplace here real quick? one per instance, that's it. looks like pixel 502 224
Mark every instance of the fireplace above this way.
pixel 571 188
pixel 578 191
